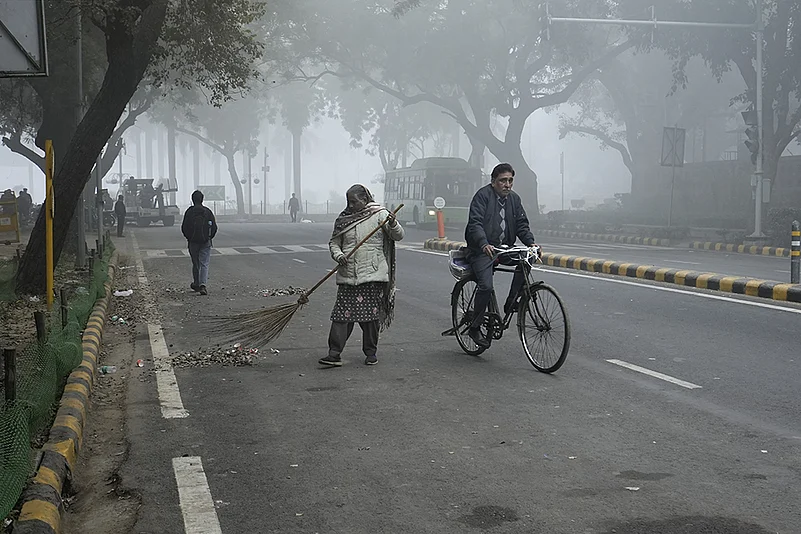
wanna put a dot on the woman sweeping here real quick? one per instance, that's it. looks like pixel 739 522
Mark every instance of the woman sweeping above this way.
pixel 365 281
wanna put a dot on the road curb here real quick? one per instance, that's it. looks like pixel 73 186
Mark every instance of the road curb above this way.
pixel 631 240
pixel 42 502
pixel 699 280
pixel 741 249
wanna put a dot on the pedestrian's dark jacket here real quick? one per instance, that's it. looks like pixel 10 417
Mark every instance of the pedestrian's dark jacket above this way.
pixel 119 208
pixel 189 217
pixel 483 224
pixel 294 204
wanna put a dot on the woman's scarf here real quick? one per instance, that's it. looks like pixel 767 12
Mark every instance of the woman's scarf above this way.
pixel 347 220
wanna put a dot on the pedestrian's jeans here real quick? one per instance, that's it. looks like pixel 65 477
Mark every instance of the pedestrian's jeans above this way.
pixel 200 253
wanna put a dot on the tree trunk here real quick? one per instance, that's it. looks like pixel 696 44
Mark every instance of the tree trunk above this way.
pixel 477 149
pixel 196 162
pixel 128 58
pixel 296 139
pixel 240 198
pixel 525 178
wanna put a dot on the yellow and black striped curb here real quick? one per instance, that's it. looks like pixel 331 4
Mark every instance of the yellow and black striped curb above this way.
pixel 741 249
pixel 42 502
pixel 696 279
pixel 632 240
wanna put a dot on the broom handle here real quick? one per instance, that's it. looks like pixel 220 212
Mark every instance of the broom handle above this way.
pixel 335 269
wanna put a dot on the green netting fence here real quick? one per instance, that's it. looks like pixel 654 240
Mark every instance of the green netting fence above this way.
pixel 41 371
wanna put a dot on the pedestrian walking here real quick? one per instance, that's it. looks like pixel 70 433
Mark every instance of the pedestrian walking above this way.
pixel 294 207
pixel 24 205
pixel 120 212
pixel 366 281
pixel 199 228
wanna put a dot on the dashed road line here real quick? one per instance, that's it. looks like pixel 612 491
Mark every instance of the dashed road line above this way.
pixel 172 407
pixel 297 260
pixel 194 495
pixel 655 374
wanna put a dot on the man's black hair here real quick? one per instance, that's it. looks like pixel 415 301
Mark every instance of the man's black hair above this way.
pixel 197 197
pixel 502 168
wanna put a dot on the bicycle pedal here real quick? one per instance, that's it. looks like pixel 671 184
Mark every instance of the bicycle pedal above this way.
pixel 449 332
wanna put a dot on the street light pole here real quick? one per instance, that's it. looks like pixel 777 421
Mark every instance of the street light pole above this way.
pixel 760 29
pixel 250 182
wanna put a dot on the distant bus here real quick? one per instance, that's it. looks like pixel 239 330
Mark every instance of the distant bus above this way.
pixel 417 186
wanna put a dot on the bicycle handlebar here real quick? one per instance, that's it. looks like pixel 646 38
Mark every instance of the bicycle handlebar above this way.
pixel 533 250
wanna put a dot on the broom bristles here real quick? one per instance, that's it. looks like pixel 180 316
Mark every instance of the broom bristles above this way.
pixel 257 328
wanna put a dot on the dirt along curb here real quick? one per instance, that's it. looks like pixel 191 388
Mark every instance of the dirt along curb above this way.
pixel 741 249
pixel 42 502
pixel 699 280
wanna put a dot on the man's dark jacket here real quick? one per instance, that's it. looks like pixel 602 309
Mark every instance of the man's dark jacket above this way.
pixel 483 224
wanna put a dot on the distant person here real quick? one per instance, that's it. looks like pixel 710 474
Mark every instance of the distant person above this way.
pixel 24 205
pixel 120 212
pixel 8 198
pixel 199 228
pixel 294 207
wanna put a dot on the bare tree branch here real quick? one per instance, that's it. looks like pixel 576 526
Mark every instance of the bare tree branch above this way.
pixel 604 137
pixel 15 144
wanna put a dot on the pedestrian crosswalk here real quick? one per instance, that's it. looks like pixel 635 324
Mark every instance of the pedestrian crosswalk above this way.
pixel 242 251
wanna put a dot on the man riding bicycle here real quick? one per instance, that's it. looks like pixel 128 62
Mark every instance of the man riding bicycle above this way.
pixel 496 218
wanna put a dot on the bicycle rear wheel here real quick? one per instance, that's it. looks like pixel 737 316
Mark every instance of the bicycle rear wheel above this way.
pixel 544 328
pixel 462 302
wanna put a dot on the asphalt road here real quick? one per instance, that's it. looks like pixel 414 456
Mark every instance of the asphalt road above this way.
pixel 432 440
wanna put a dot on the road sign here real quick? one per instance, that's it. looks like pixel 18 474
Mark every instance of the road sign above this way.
pixel 439 203
pixel 673 140
pixel 23 44
pixel 213 193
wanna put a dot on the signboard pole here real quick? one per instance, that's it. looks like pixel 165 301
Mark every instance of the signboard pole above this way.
pixel 673 177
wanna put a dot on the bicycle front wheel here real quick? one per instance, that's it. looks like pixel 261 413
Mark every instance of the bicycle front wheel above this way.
pixel 462 306
pixel 544 328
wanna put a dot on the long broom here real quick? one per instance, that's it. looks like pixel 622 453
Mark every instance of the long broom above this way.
pixel 257 328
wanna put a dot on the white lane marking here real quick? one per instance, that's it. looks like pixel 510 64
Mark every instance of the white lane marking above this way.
pixel 140 267
pixel 194 495
pixel 433 253
pixel 297 260
pixel 674 290
pixel 783 272
pixel 169 395
pixel 683 262
pixel 654 287
pixel 666 378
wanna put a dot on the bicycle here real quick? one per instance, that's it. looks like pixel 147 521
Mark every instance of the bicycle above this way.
pixel 539 309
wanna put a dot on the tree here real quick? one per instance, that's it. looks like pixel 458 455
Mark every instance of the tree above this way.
pixel 631 98
pixel 393 129
pixel 228 130
pixel 299 104
pixel 193 42
pixel 473 59
pixel 735 49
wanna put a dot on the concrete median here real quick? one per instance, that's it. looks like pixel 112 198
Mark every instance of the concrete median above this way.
pixel 700 280
pixel 42 502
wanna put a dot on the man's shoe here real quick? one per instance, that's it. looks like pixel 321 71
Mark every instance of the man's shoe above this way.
pixel 478 338
pixel 202 290
pixel 331 361
pixel 371 360
pixel 194 287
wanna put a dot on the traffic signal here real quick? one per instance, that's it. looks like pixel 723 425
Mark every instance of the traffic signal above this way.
pixel 752 133
pixel 544 20
pixel 752 142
